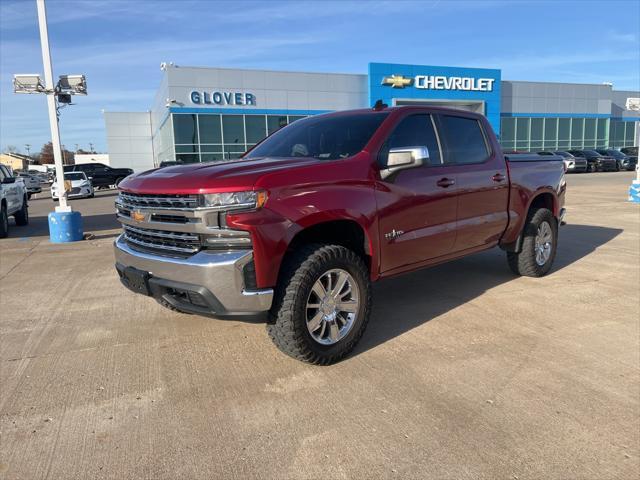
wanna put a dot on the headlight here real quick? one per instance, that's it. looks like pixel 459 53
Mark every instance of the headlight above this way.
pixel 250 200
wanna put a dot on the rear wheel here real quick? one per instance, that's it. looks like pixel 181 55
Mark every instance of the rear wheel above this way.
pixel 4 221
pixel 538 245
pixel 22 215
pixel 118 180
pixel 322 304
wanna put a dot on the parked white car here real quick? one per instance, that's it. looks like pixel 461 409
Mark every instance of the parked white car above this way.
pixel 13 201
pixel 31 182
pixel 81 186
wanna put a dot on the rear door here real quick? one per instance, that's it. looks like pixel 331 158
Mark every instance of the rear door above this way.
pixel 481 178
pixel 416 207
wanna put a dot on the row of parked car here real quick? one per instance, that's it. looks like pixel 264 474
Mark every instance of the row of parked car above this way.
pixel 598 160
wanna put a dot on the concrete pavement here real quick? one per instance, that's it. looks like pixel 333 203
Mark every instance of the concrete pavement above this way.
pixel 464 372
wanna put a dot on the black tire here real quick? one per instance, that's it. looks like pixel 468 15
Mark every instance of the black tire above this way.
pixel 287 326
pixel 4 222
pixel 617 167
pixel 524 263
pixel 592 168
pixel 22 215
pixel 118 180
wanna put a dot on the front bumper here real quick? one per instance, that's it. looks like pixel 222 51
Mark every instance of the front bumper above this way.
pixel 209 283
pixel 76 192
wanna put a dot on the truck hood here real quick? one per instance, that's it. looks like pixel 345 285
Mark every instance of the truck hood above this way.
pixel 234 175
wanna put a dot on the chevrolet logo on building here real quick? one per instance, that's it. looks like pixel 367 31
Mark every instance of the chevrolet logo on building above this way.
pixel 397 81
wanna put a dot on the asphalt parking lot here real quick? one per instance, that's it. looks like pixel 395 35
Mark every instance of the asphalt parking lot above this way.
pixel 464 372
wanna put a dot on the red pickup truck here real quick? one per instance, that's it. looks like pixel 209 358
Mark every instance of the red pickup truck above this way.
pixel 304 222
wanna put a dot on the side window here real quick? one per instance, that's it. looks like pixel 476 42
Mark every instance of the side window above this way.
pixel 3 175
pixel 464 140
pixel 414 131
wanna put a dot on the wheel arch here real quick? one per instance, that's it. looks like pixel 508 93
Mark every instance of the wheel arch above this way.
pixel 544 198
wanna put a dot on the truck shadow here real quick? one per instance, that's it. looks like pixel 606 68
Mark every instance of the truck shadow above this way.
pixel 408 301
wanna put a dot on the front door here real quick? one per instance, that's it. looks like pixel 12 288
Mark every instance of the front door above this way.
pixel 416 207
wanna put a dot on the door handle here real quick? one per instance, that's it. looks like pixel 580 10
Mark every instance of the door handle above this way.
pixel 498 177
pixel 445 182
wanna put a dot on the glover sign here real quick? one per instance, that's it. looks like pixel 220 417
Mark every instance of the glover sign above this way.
pixel 222 98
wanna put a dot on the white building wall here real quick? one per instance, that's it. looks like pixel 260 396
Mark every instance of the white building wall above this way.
pixel 273 90
pixel 129 140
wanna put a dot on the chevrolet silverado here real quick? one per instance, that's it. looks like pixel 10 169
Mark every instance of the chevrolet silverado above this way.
pixel 302 224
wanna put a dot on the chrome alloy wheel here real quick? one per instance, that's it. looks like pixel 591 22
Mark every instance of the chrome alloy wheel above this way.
pixel 332 306
pixel 544 243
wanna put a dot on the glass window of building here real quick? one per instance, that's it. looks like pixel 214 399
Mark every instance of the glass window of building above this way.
pixel 577 132
pixel 522 133
pixel 275 122
pixel 508 129
pixel 564 133
pixel 210 131
pixel 590 132
pixel 185 128
pixel 233 129
pixel 629 136
pixel 550 140
pixel 256 128
pixel 602 133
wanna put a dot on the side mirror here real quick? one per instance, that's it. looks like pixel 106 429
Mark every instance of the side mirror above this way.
pixel 9 180
pixel 402 158
pixel 89 178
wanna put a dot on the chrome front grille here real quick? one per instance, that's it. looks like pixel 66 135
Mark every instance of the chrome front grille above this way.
pixel 174 225
pixel 159 202
pixel 159 241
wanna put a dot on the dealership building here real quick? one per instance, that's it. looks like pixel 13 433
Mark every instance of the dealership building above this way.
pixel 210 114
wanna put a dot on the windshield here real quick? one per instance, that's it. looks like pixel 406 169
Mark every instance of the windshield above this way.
pixel 592 153
pixel 564 154
pixel 323 137
pixel 614 154
pixel 75 176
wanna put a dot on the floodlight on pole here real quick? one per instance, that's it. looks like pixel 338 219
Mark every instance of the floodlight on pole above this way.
pixel 28 83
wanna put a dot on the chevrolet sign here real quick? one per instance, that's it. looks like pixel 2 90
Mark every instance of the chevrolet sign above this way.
pixel 436 82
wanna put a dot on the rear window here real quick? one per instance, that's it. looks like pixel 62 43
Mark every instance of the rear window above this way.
pixel 323 137
pixel 464 139
pixel 74 176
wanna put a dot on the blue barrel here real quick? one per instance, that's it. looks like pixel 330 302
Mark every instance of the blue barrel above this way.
pixel 65 227
pixel 634 191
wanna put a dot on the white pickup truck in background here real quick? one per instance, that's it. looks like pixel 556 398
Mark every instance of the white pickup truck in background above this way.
pixel 13 201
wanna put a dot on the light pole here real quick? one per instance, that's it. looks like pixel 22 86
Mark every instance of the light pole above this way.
pixel 64 225
pixel 51 104
pixel 27 147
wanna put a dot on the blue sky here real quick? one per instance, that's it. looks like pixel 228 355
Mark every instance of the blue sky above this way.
pixel 119 44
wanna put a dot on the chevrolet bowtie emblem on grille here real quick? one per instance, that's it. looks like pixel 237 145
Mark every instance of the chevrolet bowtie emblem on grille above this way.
pixel 138 216
pixel 397 81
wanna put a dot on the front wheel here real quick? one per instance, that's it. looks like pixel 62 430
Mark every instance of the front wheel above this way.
pixel 593 168
pixel 322 304
pixel 538 246
pixel 22 215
